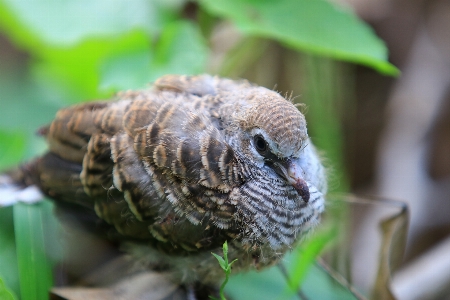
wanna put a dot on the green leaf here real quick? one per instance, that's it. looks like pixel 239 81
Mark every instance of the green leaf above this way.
pixel 66 23
pixel 5 294
pixel 32 225
pixel 302 259
pixel 225 252
pixel 221 261
pixel 317 26
pixel 225 247
pixel 232 262
pixel 8 260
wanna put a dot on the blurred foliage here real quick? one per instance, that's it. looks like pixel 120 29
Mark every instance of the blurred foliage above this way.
pixel 5 294
pixel 78 50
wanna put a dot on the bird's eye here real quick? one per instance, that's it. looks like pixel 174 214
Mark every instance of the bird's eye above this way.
pixel 260 144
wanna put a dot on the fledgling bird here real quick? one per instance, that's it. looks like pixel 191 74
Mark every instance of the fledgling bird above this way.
pixel 178 169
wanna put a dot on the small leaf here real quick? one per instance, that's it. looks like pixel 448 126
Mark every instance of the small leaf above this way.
pixel 225 248
pixel 221 261
pixel 225 252
pixel 232 262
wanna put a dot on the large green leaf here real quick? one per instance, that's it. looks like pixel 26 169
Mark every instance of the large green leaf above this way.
pixel 316 26
pixel 8 260
pixel 34 225
pixel 65 23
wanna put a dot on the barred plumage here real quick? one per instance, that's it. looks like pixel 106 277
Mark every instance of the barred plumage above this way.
pixel 186 165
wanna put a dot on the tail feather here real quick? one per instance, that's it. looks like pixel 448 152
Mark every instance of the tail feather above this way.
pixel 49 175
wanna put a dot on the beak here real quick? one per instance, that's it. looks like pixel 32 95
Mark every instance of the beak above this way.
pixel 291 171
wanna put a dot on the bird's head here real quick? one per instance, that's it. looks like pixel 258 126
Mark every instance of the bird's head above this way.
pixel 271 133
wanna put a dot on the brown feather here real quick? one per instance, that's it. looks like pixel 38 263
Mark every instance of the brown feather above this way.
pixel 176 167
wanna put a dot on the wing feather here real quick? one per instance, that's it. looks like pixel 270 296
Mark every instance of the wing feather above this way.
pixel 147 160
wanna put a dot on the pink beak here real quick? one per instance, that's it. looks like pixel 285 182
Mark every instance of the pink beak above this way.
pixel 296 179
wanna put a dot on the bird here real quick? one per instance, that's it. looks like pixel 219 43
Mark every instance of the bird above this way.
pixel 174 170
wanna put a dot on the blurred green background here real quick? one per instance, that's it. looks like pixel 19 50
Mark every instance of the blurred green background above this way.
pixel 55 53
